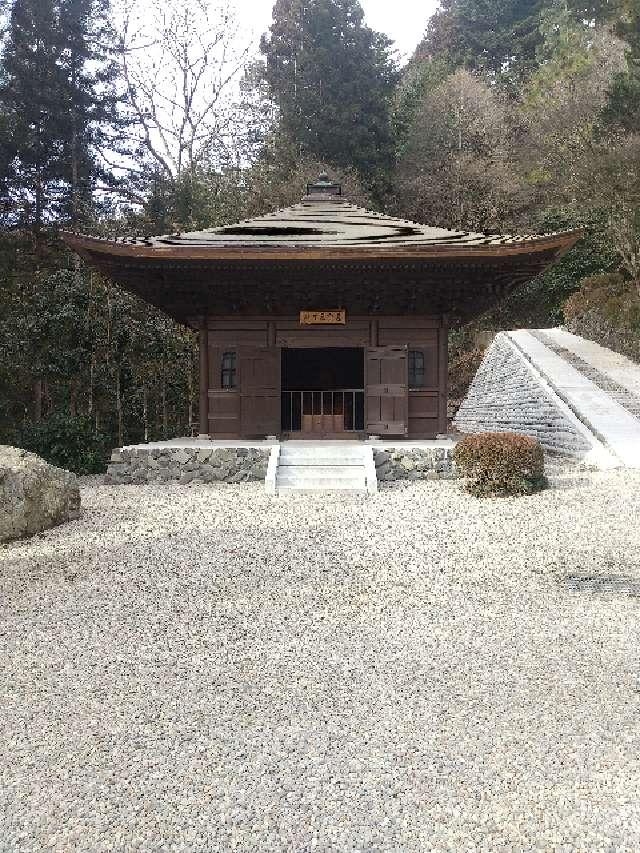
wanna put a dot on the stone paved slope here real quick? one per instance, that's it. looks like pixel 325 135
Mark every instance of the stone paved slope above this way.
pixel 613 372
pixel 532 383
pixel 506 395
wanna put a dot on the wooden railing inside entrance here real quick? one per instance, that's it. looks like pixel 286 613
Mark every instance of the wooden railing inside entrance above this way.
pixel 327 412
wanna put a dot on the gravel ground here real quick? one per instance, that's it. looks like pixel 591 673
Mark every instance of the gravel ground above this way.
pixel 208 669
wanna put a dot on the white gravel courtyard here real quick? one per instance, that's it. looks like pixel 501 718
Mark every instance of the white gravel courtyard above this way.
pixel 210 669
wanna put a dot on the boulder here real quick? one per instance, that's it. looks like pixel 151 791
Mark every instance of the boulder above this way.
pixel 33 494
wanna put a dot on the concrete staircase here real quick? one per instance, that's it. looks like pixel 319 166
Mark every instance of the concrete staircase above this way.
pixel 321 467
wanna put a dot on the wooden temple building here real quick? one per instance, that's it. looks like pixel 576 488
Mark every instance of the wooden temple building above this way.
pixel 323 319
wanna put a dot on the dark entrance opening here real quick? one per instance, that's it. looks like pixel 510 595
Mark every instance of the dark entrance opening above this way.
pixel 323 390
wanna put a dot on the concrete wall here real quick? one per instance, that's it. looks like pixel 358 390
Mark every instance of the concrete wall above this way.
pixel 506 395
pixel 187 465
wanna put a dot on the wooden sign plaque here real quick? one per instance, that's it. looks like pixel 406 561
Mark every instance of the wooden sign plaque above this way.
pixel 335 317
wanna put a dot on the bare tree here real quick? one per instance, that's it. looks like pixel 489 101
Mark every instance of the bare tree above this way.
pixel 580 162
pixel 456 170
pixel 617 176
pixel 181 63
pixel 561 111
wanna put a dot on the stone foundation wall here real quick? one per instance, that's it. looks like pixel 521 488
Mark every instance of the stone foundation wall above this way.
pixel 187 465
pixel 413 463
pixel 505 396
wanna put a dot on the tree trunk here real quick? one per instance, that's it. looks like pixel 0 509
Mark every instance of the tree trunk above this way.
pixel 37 401
pixel 165 414
pixel 74 388
pixel 46 396
pixel 74 164
pixel 91 372
pixel 119 410
pixel 145 410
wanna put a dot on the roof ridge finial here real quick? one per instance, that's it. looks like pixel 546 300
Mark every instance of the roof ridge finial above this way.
pixel 323 188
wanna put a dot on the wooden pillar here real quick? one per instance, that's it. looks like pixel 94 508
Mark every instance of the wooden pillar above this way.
pixel 373 332
pixel 204 379
pixel 443 378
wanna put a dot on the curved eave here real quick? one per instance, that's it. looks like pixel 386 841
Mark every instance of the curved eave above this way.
pixel 93 249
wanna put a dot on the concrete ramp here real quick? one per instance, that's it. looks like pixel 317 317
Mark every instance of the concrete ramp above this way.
pixel 580 400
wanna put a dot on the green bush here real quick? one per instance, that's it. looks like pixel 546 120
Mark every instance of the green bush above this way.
pixel 501 464
pixel 68 442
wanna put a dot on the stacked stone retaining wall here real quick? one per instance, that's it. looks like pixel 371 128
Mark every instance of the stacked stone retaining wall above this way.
pixel 414 463
pixel 186 465
pixel 506 396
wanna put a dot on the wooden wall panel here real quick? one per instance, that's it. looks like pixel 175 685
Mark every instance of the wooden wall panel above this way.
pixel 386 391
pixel 224 414
pixel 394 331
pixel 260 391
pixel 233 338
pixel 289 333
pixel 224 404
pixel 426 407
pixel 431 364
pixel 230 332
pixel 423 404
pixel 443 380
pixel 427 428
pixel 216 323
pixel 394 336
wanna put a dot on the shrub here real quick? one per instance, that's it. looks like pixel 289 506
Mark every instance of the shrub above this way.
pixel 68 442
pixel 462 368
pixel 501 464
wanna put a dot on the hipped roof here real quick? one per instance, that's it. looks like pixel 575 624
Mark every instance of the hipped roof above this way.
pixel 323 251
pixel 323 228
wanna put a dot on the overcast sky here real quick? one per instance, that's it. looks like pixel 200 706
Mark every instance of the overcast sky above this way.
pixel 403 20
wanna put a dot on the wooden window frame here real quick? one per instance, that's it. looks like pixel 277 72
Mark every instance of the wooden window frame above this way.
pixel 229 371
pixel 416 355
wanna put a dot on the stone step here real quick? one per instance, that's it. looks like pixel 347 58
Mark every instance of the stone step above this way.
pixel 355 484
pixel 324 461
pixel 325 467
pixel 320 472
pixel 321 488
pixel 321 452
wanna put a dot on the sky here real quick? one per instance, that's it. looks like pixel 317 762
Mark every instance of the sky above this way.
pixel 402 20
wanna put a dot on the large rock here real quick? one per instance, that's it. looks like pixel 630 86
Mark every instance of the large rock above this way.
pixel 33 494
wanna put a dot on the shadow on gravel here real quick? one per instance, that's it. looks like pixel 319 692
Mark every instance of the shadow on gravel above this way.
pixel 566 484
pixel 597 584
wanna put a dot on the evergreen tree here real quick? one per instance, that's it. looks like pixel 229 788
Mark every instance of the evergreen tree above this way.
pixel 92 101
pixel 34 118
pixel 58 105
pixel 623 109
pixel 333 79
pixel 498 37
